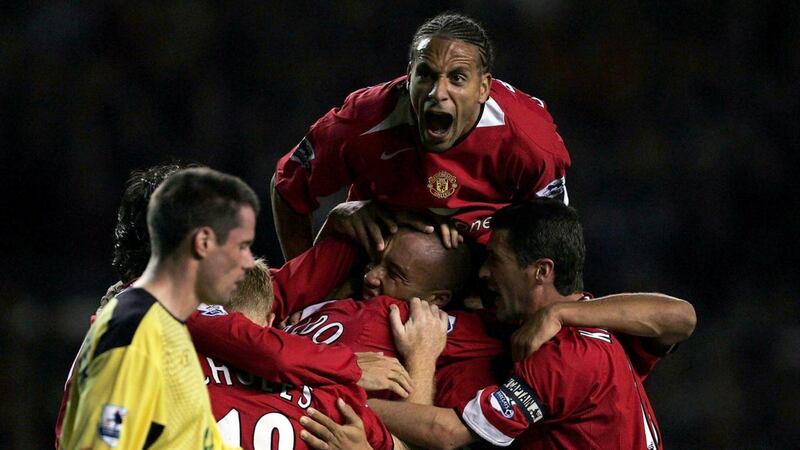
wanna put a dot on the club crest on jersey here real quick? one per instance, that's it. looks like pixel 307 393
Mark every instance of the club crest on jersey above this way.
pixel 303 154
pixel 502 403
pixel 442 184
pixel 111 423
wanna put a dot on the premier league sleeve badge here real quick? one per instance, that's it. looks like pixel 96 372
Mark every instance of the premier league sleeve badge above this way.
pixel 110 427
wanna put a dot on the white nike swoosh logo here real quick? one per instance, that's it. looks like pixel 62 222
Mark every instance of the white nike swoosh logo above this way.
pixel 385 156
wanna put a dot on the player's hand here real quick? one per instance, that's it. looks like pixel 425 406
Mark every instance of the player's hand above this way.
pixel 368 223
pixel 380 372
pixel 424 334
pixel 321 432
pixel 363 221
pixel 535 331
pixel 291 320
pixel 450 235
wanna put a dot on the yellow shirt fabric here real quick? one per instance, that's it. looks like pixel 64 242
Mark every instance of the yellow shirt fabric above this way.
pixel 137 383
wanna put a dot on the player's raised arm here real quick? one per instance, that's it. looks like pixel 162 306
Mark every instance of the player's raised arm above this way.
pixel 294 230
pixel 272 354
pixel 665 320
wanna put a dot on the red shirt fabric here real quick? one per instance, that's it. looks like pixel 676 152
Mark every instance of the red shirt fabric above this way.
pixel 310 277
pixel 579 390
pixel 468 361
pixel 371 144
pixel 256 414
pixel 363 325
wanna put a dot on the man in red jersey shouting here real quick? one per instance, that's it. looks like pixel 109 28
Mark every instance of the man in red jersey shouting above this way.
pixel 446 138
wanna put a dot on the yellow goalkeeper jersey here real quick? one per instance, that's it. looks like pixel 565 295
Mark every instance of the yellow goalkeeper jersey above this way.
pixel 137 383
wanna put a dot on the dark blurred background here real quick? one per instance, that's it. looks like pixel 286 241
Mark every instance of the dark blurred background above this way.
pixel 681 119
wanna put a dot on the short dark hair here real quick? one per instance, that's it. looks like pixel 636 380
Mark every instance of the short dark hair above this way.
pixel 455 26
pixel 193 198
pixel 546 228
pixel 131 238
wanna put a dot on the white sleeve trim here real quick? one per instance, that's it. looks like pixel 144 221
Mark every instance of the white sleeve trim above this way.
pixel 474 418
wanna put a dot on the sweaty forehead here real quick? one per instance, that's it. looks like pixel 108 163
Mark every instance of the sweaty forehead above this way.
pixel 439 50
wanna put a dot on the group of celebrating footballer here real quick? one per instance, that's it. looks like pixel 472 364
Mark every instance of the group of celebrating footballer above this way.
pixel 376 334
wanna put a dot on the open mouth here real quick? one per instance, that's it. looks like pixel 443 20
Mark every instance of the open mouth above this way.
pixel 489 296
pixel 437 124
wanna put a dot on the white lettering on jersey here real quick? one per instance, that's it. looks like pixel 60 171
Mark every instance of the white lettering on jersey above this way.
pixel 481 224
pixel 305 400
pixel 245 378
pixel 216 370
pixel 334 329
pixel 330 339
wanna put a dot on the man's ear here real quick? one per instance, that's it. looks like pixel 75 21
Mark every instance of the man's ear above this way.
pixel 439 298
pixel 486 86
pixel 201 242
pixel 408 72
pixel 542 271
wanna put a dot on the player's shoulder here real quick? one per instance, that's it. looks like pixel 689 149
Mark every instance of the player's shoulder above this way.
pixel 382 303
pixel 517 103
pixel 378 93
pixel 578 344
pixel 365 107
pixel 129 317
pixel 526 117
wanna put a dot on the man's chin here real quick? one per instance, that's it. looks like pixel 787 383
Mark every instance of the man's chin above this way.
pixel 437 146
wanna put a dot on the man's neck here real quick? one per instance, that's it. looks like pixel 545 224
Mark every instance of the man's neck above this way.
pixel 172 283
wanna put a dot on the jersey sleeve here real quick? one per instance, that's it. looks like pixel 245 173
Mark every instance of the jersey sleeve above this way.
pixel 548 384
pixel 538 163
pixel 457 383
pixel 310 277
pixel 643 355
pixel 318 165
pixel 270 353
pixel 113 414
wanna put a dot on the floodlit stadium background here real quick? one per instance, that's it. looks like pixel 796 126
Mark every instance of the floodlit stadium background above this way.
pixel 680 118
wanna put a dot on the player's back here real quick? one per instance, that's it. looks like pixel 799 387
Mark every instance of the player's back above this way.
pixel 255 414
pixel 592 396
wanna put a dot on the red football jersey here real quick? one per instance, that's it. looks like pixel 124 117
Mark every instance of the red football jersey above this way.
pixel 371 144
pixel 364 327
pixel 578 390
pixel 255 414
